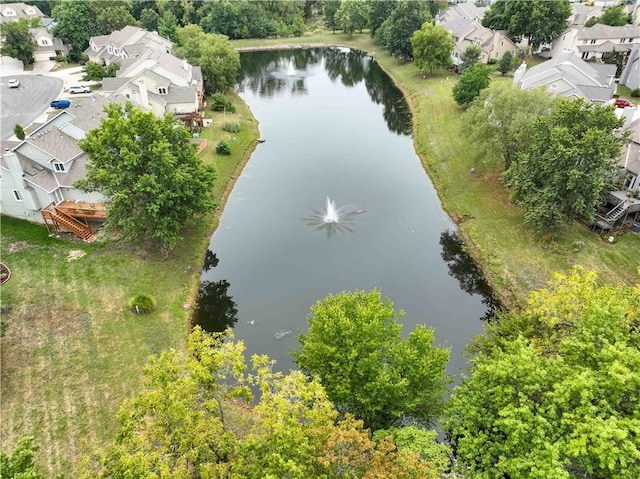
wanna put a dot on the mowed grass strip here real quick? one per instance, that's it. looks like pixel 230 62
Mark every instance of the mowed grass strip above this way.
pixel 73 351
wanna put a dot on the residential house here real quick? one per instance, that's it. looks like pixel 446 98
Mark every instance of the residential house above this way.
pixel 599 41
pixel 13 12
pixel 47 46
pixel 568 75
pixel 463 21
pixel 149 74
pixel 630 76
pixel 42 168
pixel 623 205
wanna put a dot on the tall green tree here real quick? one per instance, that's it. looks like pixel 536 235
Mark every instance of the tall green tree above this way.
pixel 553 389
pixel 538 21
pixel 500 121
pixel 17 41
pixel 471 83
pixel 470 56
pixel 149 19
pixel 148 172
pixel 407 17
pixel 380 11
pixel 184 423
pixel 167 25
pixel 329 9
pixel 113 15
pixel 353 15
pixel 614 16
pixel 432 46
pixel 506 63
pixel 219 61
pixel 571 162
pixel 354 345
pixel 75 24
pixel 20 464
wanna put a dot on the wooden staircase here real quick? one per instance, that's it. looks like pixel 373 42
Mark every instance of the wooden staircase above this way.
pixel 616 212
pixel 60 219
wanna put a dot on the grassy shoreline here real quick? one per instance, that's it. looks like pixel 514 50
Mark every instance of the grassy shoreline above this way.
pixel 73 351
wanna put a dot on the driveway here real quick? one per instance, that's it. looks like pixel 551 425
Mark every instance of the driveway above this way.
pixel 25 104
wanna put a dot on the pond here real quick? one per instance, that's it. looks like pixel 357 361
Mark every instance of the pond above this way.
pixel 337 136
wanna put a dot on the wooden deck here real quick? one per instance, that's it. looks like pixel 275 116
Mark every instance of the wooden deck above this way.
pixel 83 210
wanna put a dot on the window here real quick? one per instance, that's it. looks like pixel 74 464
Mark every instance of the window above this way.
pixel 622 40
pixel 16 195
pixel 584 42
pixel 58 166
pixel 593 41
pixel 630 40
pixel 162 91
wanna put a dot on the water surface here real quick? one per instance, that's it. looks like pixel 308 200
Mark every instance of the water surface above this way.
pixel 335 126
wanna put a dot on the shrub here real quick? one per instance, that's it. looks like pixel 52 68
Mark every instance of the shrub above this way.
pixel 223 149
pixel 19 131
pixel 142 303
pixel 60 58
pixel 231 127
pixel 219 102
pixel 635 93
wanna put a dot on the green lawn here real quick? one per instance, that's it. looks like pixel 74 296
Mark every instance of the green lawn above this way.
pixel 73 351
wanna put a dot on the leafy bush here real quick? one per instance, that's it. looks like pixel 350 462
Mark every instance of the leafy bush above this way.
pixel 219 102
pixel 19 131
pixel 635 93
pixel 223 149
pixel 142 303
pixel 60 58
pixel 231 127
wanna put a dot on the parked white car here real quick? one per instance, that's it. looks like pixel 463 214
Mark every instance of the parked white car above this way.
pixel 13 83
pixel 79 89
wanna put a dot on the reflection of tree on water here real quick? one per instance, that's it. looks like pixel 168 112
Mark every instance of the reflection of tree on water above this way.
pixel 465 270
pixel 264 73
pixel 215 310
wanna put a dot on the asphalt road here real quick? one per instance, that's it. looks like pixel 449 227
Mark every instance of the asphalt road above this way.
pixel 24 104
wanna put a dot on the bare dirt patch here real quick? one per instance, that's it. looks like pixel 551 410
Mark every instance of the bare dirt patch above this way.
pixel 75 254
pixel 17 246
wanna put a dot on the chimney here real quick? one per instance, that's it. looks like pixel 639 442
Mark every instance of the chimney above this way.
pixel 144 95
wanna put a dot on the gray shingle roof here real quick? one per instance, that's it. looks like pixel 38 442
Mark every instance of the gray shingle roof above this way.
pixel 606 32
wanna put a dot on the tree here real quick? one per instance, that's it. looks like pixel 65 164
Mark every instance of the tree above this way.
pixel 471 83
pixel 432 46
pixel 352 15
pixel 167 25
pixel 148 172
pixel 219 61
pixel 354 346
pixel 94 71
pixel 500 120
pixel 470 56
pixel 18 131
pixel 149 19
pixel 183 424
pixel 506 63
pixel 406 18
pixel 379 12
pixel 75 24
pixel 20 464
pixel 552 389
pixel 17 41
pixel 571 162
pixel 539 21
pixel 113 15
pixel 614 16
pixel 329 9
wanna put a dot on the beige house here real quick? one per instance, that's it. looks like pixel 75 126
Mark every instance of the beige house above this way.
pixel 149 74
pixel 47 46
pixel 13 12
pixel 463 21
